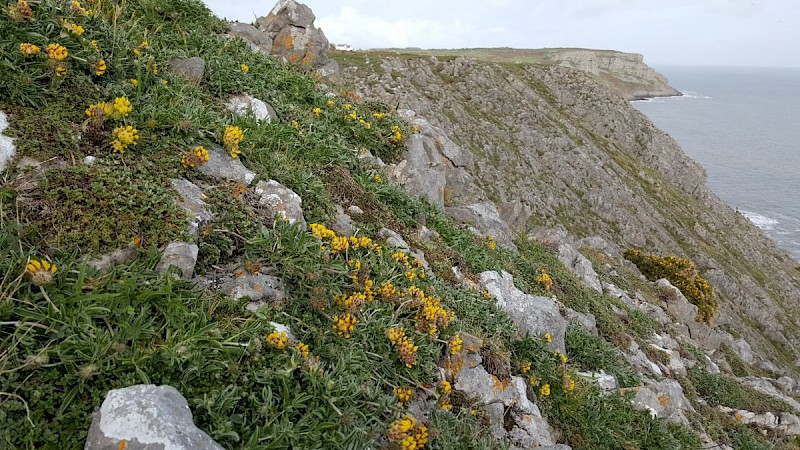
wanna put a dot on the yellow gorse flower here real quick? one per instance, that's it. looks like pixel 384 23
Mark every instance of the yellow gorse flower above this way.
pixel 397 136
pixel 445 387
pixel 28 49
pixel 20 11
pixel 57 52
pixel 124 137
pixel 76 8
pixel 100 67
pixel 231 139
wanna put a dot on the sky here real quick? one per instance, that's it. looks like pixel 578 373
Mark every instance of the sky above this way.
pixel 762 33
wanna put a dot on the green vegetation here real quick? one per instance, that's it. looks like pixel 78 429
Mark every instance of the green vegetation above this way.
pixel 683 274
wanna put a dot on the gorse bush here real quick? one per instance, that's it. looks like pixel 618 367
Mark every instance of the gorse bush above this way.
pixel 683 274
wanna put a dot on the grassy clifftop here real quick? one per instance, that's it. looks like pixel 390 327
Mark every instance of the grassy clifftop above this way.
pixel 69 334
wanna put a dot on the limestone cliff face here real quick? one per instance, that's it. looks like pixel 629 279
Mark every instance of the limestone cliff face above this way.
pixel 551 147
pixel 627 72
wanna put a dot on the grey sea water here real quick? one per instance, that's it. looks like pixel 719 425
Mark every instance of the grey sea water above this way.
pixel 743 126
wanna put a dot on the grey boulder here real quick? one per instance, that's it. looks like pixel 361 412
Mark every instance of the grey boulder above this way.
pixel 146 417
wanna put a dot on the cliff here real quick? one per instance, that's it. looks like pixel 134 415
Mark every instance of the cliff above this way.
pixel 550 146
pixel 626 73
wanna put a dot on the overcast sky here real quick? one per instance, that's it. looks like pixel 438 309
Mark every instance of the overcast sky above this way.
pixel 696 32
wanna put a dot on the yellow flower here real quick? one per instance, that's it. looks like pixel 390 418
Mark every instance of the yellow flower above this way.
pixel 545 390
pixel 278 339
pixel 455 344
pixel 445 404
pixel 134 82
pixel 124 137
pixel 445 387
pixel 72 27
pixel 365 124
pixel 403 394
pixel 400 429
pixel 548 338
pixel 303 349
pixel 196 158
pixel 396 137
pixel 545 280
pixel 347 106
pixel 100 67
pixel 154 69
pixel 331 103
pixel 415 129
pixel 344 325
pixel 491 243
pixel 20 11
pixel 245 68
pixel 40 271
pixel 316 112
pixel 76 8
pixel 295 125
pixel 378 115
pixel 94 45
pixel 562 357
pixel 137 53
pixel 145 44
pixel 526 367
pixel 61 70
pixel 57 52
pixel 377 179
pixel 121 108
pixel 232 138
pixel 28 49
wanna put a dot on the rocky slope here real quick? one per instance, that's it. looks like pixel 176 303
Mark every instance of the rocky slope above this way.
pixel 624 72
pixel 548 146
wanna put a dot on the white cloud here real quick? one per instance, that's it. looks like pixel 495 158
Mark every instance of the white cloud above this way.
pixel 368 31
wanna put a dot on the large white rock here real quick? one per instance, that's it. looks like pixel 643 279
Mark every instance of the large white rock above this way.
pixel 244 104
pixel 7 149
pixel 182 255
pixel 533 315
pixel 146 417
pixel 279 202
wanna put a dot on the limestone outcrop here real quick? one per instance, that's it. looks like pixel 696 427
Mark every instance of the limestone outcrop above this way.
pixel 288 33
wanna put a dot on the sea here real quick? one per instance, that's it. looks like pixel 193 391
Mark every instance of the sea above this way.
pixel 743 126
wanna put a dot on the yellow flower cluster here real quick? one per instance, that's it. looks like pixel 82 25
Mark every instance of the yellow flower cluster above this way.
pixel 20 11
pixel 344 325
pixel 431 315
pixel 41 271
pixel 28 49
pixel 331 103
pixel 411 269
pixel 72 27
pixel 396 137
pixel 389 291
pixel 491 243
pixel 526 367
pixel 403 395
pixel 245 68
pixel 379 116
pixel 404 345
pixel 124 137
pixel 365 124
pixel 232 138
pixel 195 158
pixel 76 8
pixel 303 349
pixel 57 52
pixel 548 338
pixel 562 357
pixel 100 67
pixel 545 390
pixel 569 383
pixel 683 274
pixel 456 343
pixel 545 280
pixel 316 112
pixel 352 301
pixel 407 435
pixel 445 387
pixel 278 339
pixel 341 243
pixel 61 70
